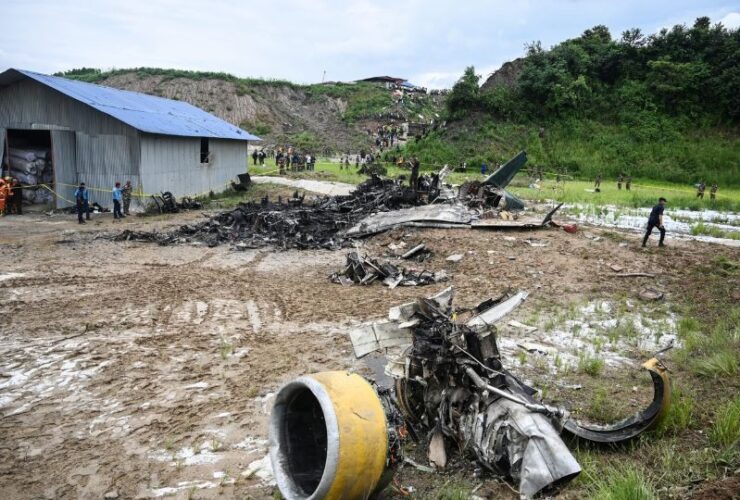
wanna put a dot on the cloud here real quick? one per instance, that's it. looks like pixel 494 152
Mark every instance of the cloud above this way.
pixel 731 20
pixel 430 42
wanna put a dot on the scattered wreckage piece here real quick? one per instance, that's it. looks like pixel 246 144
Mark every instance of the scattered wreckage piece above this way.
pixel 442 216
pixel 245 180
pixel 634 425
pixel 334 436
pixel 365 270
pixel 421 216
pixel 167 203
pixel 451 382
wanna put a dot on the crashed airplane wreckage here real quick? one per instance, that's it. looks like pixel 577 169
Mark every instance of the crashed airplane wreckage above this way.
pixel 375 206
pixel 335 435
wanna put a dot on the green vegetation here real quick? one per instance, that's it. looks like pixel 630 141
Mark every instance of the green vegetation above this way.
pixel 453 492
pixel 702 228
pixel 305 141
pixel 623 483
pixel 713 354
pixel 257 128
pixel 590 365
pixel 681 414
pixel 584 148
pixel 661 107
pixel 726 429
pixel 94 75
pixel 602 407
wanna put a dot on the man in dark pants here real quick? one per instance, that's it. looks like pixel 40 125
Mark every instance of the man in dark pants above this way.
pixel 117 199
pixel 82 198
pixel 656 220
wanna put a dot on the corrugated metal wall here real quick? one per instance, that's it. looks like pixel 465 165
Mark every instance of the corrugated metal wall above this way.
pixel 103 146
pixel 173 164
pixel 104 159
pixel 64 159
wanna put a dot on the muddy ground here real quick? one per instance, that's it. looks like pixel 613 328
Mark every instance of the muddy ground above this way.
pixel 130 370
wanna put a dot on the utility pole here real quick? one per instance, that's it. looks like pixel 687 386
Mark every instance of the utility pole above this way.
pixel 323 77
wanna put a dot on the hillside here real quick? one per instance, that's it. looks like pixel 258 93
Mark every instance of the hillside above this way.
pixel 325 118
pixel 664 106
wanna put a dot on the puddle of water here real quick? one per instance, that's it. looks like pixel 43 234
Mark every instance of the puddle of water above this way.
pixel 676 221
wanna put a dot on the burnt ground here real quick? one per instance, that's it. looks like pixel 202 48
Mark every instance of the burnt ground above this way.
pixel 140 370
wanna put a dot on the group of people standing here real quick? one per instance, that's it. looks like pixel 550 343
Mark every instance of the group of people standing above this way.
pixel 290 159
pixel 701 187
pixel 121 197
pixel 258 157
pixel 621 179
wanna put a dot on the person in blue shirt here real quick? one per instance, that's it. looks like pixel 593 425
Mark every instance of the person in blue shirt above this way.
pixel 82 199
pixel 656 220
pixel 117 199
pixel 483 169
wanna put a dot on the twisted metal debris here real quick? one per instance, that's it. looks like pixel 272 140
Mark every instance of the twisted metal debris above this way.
pixel 455 393
pixel 366 270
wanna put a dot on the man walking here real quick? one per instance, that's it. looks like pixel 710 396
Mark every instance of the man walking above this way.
pixel 117 198
pixel 620 179
pixel 126 192
pixel 597 182
pixel 82 200
pixel 628 182
pixel 713 191
pixel 656 220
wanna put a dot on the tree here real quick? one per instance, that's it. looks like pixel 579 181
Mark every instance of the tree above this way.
pixel 464 95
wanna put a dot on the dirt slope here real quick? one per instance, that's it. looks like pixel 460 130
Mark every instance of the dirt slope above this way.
pixel 324 118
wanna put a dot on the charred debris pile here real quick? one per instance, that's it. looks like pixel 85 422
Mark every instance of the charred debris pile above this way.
pixel 290 223
pixel 375 206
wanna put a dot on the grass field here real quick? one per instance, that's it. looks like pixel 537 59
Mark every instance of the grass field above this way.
pixel 644 192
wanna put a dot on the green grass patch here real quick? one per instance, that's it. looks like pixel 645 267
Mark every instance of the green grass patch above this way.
pixel 623 483
pixel 453 492
pixel 589 365
pixel 681 414
pixel 720 364
pixel 725 432
pixel 601 407
pixel 705 229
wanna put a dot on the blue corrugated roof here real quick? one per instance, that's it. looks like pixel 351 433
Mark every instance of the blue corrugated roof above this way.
pixel 151 114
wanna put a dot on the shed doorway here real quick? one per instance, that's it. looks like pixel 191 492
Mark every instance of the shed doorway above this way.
pixel 30 162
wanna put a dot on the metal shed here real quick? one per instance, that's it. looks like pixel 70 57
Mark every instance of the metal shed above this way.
pixel 100 135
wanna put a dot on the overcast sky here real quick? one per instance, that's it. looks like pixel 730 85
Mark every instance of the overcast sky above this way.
pixel 429 42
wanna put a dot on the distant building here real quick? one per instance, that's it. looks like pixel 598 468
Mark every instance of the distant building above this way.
pixel 388 81
pixel 100 135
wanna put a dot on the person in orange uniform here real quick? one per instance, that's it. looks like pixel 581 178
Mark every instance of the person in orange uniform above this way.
pixel 4 194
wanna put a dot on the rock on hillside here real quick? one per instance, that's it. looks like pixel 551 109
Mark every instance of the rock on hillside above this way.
pixel 506 75
pixel 275 112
